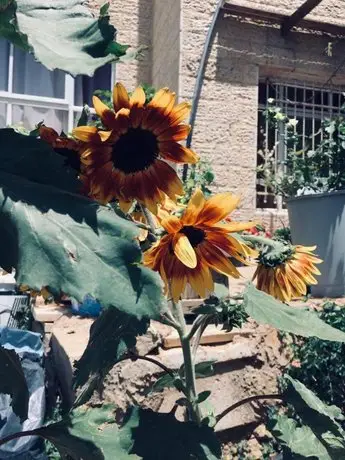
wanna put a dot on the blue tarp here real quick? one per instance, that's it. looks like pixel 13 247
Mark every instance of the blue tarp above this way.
pixel 29 347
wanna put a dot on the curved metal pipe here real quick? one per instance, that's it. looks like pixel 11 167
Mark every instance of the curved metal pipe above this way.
pixel 199 80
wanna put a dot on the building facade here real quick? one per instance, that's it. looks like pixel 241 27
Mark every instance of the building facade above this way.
pixel 249 61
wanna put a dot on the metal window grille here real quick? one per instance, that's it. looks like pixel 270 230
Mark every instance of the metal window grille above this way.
pixel 309 106
pixel 66 104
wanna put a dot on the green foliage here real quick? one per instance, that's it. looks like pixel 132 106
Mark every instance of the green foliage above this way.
pixel 305 171
pixel 225 311
pixel 111 336
pixel 200 175
pixel 316 432
pixel 34 160
pixel 283 234
pixel 159 436
pixel 13 382
pixel 88 434
pixel 300 321
pixel 48 31
pixel 321 365
pixel 80 248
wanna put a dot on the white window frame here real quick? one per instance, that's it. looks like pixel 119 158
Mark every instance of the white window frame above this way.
pixel 66 104
pixel 309 110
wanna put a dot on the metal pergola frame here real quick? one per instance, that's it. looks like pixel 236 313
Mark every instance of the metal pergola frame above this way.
pixel 287 22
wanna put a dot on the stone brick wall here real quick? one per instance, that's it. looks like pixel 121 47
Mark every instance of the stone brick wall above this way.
pixel 133 20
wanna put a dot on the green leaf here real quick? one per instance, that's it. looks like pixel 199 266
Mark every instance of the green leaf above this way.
pixel 300 440
pixel 13 382
pixel 111 336
pixel 62 34
pixel 204 369
pixel 202 396
pixel 300 321
pixel 84 117
pixel 89 434
pixel 220 290
pixel 159 436
pixel 318 416
pixel 165 381
pixel 35 160
pixel 104 10
pixel 73 245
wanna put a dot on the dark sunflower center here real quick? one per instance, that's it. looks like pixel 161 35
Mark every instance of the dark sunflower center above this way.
pixel 135 150
pixel 195 235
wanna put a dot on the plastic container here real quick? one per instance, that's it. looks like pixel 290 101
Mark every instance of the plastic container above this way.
pixel 319 220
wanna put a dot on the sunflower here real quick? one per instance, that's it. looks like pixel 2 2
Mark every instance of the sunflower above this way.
pixel 63 145
pixel 138 216
pixel 197 242
pixel 130 164
pixel 288 276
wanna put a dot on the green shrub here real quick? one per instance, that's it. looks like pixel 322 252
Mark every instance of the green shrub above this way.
pixel 322 363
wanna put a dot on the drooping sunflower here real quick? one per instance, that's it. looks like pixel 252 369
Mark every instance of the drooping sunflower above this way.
pixel 63 145
pixel 288 276
pixel 130 164
pixel 197 243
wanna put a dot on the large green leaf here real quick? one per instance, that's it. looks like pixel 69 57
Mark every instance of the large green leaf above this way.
pixel 160 436
pixel 13 383
pixel 75 246
pixel 88 434
pixel 300 321
pixel 318 416
pixel 111 335
pixel 300 441
pixel 35 160
pixel 317 433
pixel 62 34
pixel 91 434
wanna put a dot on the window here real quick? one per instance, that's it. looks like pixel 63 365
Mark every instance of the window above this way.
pixel 308 105
pixel 30 93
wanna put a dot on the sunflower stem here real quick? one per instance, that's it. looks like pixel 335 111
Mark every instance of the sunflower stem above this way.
pixel 149 219
pixel 264 241
pixel 190 379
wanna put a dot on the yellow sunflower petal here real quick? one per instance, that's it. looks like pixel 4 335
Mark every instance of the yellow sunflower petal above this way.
pixel 177 153
pixel 216 260
pixel 120 97
pixel 175 133
pixel 184 251
pixel 171 224
pixel 180 113
pixel 102 110
pixel 85 133
pixel 161 99
pixel 194 208
pixel 201 280
pixel 104 135
pixel 217 208
pixel 178 285
pixel 138 97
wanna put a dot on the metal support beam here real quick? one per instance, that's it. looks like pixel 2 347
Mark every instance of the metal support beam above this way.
pixel 298 15
pixel 271 17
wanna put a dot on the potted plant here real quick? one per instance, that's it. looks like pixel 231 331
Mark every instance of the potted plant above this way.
pixel 312 184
